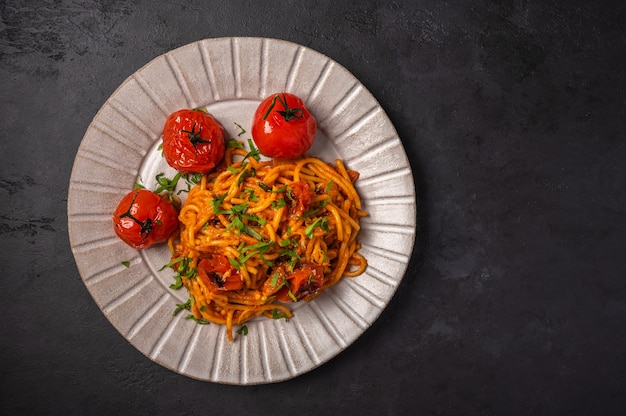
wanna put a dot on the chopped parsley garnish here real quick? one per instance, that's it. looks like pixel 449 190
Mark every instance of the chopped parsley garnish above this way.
pixel 242 131
pixel 184 269
pixel 194 178
pixel 234 144
pixel 264 187
pixel 165 184
pixel 293 257
pixel 279 204
pixel 274 280
pixel 276 314
pixel 199 321
pixel 246 173
pixel 182 306
pixel 252 197
pixel 286 242
pixel 319 222
pixel 254 153
pixel 216 203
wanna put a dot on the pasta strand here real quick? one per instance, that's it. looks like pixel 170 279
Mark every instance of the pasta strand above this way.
pixel 258 235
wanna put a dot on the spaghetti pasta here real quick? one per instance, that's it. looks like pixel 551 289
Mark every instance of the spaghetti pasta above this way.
pixel 256 235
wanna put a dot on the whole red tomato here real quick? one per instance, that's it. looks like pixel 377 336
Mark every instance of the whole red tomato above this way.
pixel 143 219
pixel 282 126
pixel 193 141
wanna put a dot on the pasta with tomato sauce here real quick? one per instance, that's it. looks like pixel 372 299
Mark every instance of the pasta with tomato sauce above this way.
pixel 256 235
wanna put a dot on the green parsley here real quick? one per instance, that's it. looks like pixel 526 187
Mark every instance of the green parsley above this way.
pixel 274 280
pixel 234 144
pixel 252 233
pixel 251 195
pixel 242 131
pixel 319 222
pixel 199 321
pixel 293 257
pixel 235 263
pixel 165 184
pixel 276 314
pixel 279 204
pixel 216 203
pixel 264 186
pixel 182 306
pixel 245 174
pixel 286 243
pixel 318 209
pixel 184 269
pixel 254 218
pixel 178 282
pixel 254 153
pixel 194 178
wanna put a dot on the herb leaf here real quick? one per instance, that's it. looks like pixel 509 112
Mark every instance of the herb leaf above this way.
pixel 319 222
pixel 254 153
pixel 181 306
pixel 216 203
pixel 165 184
pixel 234 144
pixel 276 314
pixel 241 129
pixel 199 321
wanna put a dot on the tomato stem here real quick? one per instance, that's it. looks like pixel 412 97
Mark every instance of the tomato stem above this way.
pixel 195 137
pixel 287 113
pixel 146 226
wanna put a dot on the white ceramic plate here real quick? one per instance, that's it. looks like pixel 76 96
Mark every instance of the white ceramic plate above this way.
pixel 230 76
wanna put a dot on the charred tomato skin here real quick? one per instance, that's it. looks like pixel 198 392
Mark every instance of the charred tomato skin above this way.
pixel 283 127
pixel 143 219
pixel 217 273
pixel 193 141
pixel 303 282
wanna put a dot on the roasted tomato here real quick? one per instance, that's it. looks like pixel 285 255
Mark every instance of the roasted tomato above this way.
pixel 282 127
pixel 299 196
pixel 301 283
pixel 217 273
pixel 193 141
pixel 143 219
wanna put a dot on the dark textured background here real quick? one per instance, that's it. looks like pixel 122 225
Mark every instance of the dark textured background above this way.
pixel 512 114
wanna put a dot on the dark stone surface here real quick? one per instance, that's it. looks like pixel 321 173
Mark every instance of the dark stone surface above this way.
pixel 512 113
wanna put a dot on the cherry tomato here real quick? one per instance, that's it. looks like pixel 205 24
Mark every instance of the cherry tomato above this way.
pixel 217 273
pixel 143 219
pixel 193 141
pixel 282 126
pixel 302 283
pixel 299 197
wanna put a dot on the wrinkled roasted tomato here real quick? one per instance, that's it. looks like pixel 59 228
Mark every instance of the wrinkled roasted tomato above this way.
pixel 301 283
pixel 193 141
pixel 299 197
pixel 282 126
pixel 216 273
pixel 143 219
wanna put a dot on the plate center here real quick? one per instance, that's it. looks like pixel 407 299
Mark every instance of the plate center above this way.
pixel 236 118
